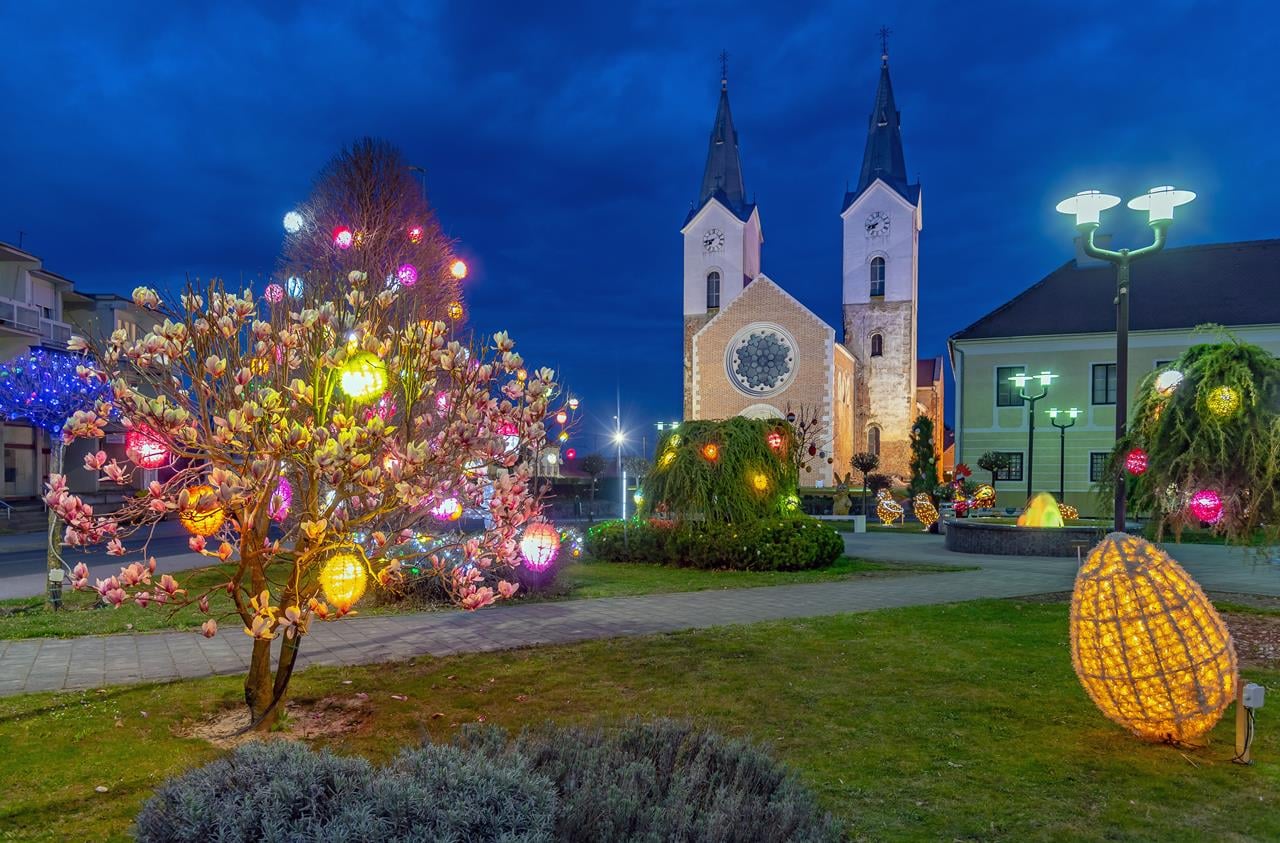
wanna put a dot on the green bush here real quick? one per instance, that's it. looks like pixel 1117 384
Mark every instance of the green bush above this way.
pixel 790 543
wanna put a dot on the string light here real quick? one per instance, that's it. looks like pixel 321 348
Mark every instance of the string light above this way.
pixel 1223 401
pixel 1135 462
pixel 43 388
pixel 926 513
pixel 447 510
pixel 1068 512
pixel 415 234
pixel 455 310
pixel 887 508
pixel 985 496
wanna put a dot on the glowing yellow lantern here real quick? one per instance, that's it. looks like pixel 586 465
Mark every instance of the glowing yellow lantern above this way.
pixel 1223 401
pixel 759 482
pixel 1068 512
pixel 1148 646
pixel 203 515
pixel 887 508
pixel 455 310
pixel 668 457
pixel 1041 511
pixel 458 269
pixel 926 513
pixel 259 365
pixel 364 376
pixel 343 579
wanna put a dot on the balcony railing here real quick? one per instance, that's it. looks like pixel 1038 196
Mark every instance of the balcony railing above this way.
pixel 55 333
pixel 24 317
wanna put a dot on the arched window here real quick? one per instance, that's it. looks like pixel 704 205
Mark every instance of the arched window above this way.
pixel 873 440
pixel 713 290
pixel 877 344
pixel 877 276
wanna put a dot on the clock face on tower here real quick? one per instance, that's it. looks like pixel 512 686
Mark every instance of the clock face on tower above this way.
pixel 878 224
pixel 713 240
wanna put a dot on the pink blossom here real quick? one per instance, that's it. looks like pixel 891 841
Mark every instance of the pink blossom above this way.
pixel 115 596
pixel 478 598
pixel 142 598
pixel 115 547
pixel 196 543
pixel 93 462
pixel 209 628
pixel 80 576
pixel 170 586
pixel 508 589
pixel 204 603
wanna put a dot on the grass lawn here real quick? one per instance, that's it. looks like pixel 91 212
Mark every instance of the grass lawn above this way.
pixel 932 723
pixel 27 618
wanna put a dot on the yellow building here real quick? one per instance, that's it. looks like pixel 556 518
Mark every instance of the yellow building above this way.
pixel 1065 324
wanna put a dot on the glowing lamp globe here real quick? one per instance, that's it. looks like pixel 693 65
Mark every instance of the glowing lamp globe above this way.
pixel 1148 646
pixel 293 222
pixel 1087 206
pixel 562 417
pixel 283 495
pixel 447 510
pixel 273 293
pixel 293 287
pixel 1135 462
pixel 711 452
pixel 774 440
pixel 1223 401
pixel 203 515
pixel 638 497
pixel 759 481
pixel 415 234
pixel 1167 382
pixel 343 579
pixel 364 376
pixel 1206 505
pixel 455 310
pixel 668 457
pixel 146 447
pixel 564 436
pixel 570 454
pixel 539 545
pixel 407 275
pixel 458 269
pixel 343 238
pixel 1159 202
pixel 573 403
pixel 791 503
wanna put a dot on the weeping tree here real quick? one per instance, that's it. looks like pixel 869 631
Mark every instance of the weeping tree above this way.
pixel 44 388
pixel 731 471
pixel 1204 445
pixel 924 459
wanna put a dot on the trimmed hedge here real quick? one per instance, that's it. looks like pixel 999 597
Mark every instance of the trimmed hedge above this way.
pixel 789 543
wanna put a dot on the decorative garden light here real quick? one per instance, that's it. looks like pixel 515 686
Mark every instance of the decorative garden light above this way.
pixel 711 452
pixel 562 417
pixel 458 269
pixel 573 403
pixel 638 497
pixel 1206 505
pixel 146 447
pixel 447 510
pixel 364 376
pixel 1167 382
pixel 283 493
pixel 1071 415
pixel 774 440
pixel 273 293
pixel 926 513
pixel 539 545
pixel 564 436
pixel 203 515
pixel 1223 401
pixel 887 508
pixel 407 275
pixel 985 496
pixel 293 287
pixel 791 503
pixel 455 310
pixel 415 234
pixel 1021 381
pixel 293 222
pixel 570 454
pixel 1068 512
pixel 1149 648
pixel 342 237
pixel 1135 462
pixel 668 457
pixel 343 579
pixel 759 481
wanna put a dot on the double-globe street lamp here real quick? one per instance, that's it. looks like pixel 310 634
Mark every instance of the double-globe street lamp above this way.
pixel 1087 207
pixel 1021 382
pixel 1072 414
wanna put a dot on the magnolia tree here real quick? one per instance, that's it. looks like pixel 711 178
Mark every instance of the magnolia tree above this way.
pixel 312 441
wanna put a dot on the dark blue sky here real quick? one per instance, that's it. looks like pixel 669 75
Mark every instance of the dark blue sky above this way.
pixel 565 141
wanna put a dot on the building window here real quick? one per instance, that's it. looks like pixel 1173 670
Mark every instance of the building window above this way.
pixel 1014 471
pixel 873 440
pixel 1104 383
pixel 877 345
pixel 713 290
pixel 1098 465
pixel 1006 390
pixel 1160 364
pixel 877 276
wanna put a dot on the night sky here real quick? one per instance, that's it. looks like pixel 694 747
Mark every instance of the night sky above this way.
pixel 564 143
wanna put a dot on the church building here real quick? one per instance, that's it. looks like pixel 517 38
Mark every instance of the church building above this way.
pixel 752 349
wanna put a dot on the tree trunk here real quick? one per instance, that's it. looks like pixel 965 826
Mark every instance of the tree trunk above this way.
pixel 53 557
pixel 264 692
pixel 591 508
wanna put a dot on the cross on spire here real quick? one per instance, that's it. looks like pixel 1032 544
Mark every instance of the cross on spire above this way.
pixel 885 32
pixel 724 68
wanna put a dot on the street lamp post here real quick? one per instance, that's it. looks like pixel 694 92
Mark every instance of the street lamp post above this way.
pixel 1087 207
pixel 1062 445
pixel 1021 382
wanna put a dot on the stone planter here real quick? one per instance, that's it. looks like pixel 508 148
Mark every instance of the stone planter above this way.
pixel 969 535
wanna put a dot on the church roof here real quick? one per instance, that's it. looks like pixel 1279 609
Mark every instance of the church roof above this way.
pixel 882 158
pixel 722 177
pixel 1223 283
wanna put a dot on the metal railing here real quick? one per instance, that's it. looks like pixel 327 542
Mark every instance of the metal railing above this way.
pixel 20 315
pixel 55 333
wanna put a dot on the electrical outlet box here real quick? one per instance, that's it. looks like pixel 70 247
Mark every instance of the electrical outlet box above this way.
pixel 1252 696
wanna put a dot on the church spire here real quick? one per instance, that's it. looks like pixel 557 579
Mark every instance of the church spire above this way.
pixel 722 178
pixel 882 158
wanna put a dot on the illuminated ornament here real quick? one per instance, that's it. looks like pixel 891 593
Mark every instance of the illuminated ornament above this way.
pixel 539 545
pixel 985 496
pixel 711 452
pixel 273 293
pixel 342 237
pixel 364 376
pixel 259 365
pixel 573 403
pixel 203 515
pixel 926 513
pixel 675 441
pixel 774 440
pixel 415 234
pixel 562 417
pixel 407 275
pixel 759 482
pixel 1149 648
pixel 1206 505
pixel 1135 462
pixel 1068 512
pixel 284 492
pixel 813 450
pixel 887 508
pixel 564 436
pixel 447 510
pixel 638 497
pixel 146 447
pixel 570 454
pixel 1041 511
pixel 293 287
pixel 458 269
pixel 343 579
pixel 668 457
pixel 1167 382
pixel 1223 401
pixel 293 222
pixel 384 408
pixel 455 310
pixel 791 503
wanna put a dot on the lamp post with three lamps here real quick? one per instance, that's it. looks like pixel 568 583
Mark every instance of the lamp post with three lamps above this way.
pixel 1087 207
pixel 1021 382
pixel 1072 414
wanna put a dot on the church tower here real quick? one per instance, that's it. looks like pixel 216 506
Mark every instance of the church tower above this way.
pixel 882 222
pixel 722 236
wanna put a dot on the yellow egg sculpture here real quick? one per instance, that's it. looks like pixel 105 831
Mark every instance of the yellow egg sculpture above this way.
pixel 343 579
pixel 1148 646
pixel 1041 511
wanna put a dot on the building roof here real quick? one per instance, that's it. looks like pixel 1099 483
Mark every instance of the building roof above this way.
pixel 1224 283
pixel 882 157
pixel 928 371
pixel 722 177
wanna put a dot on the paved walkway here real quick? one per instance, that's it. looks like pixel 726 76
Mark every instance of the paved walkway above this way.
pixel 56 664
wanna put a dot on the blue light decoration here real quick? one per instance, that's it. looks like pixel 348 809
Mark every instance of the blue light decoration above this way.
pixel 42 388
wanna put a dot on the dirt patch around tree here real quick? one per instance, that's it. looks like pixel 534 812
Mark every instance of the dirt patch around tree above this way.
pixel 328 717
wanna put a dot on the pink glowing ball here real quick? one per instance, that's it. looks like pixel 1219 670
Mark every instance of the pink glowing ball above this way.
pixel 407 275
pixel 1135 462
pixel 539 546
pixel 285 490
pixel 146 447
pixel 273 293
pixel 342 237
pixel 1206 505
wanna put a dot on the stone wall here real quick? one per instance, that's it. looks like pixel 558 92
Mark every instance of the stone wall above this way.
pixel 886 394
